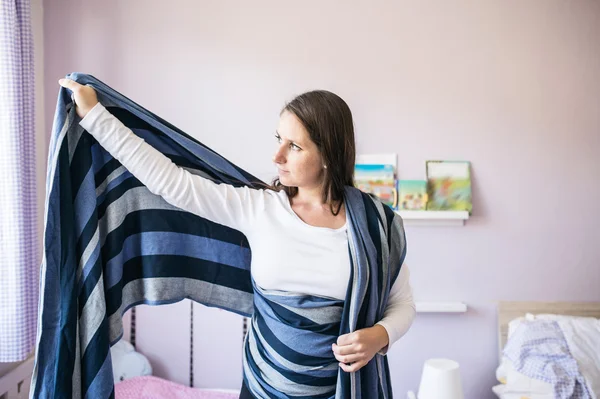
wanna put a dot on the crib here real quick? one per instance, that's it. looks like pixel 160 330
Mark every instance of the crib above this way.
pixel 16 383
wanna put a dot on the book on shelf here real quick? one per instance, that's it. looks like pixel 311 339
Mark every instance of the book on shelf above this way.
pixel 412 195
pixel 377 179
pixel 449 185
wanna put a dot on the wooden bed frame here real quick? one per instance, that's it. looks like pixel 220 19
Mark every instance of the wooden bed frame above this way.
pixel 509 310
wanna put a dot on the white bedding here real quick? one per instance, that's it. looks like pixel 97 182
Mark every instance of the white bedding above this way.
pixel 505 393
pixel 582 335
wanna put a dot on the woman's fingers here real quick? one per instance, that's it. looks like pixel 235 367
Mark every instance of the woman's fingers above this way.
pixel 352 367
pixel 347 353
pixel 69 84
pixel 84 97
pixel 355 357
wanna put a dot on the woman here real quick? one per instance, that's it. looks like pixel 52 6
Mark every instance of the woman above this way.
pixel 296 229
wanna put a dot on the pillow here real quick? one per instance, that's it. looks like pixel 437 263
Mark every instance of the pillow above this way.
pixel 515 382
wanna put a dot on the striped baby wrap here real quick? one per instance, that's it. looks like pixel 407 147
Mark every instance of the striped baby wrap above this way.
pixel 288 348
pixel 110 244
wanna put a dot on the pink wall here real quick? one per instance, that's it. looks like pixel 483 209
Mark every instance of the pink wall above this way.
pixel 512 86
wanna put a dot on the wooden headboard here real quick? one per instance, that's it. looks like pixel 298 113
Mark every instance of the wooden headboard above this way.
pixel 508 311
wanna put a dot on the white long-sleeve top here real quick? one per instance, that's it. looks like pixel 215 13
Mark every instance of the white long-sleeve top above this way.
pixel 287 253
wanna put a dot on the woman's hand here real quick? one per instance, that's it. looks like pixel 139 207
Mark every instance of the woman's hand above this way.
pixel 85 96
pixel 356 349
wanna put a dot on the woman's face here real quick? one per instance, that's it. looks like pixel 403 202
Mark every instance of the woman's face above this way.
pixel 297 157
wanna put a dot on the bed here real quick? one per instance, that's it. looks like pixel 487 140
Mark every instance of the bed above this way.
pixel 548 350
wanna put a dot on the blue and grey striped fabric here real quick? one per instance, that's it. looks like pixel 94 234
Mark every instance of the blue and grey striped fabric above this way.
pixel 111 244
pixel 287 352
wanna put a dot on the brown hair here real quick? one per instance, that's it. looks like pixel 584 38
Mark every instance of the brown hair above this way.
pixel 328 120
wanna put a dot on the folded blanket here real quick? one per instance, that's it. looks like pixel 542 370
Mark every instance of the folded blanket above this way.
pixel 110 244
pixel 538 349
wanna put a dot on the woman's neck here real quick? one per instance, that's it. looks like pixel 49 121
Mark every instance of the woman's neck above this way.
pixel 313 199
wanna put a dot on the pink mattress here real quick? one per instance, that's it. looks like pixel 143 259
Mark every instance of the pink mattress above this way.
pixel 150 387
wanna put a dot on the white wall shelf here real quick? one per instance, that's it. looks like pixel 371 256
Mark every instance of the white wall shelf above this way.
pixel 434 218
pixel 441 307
